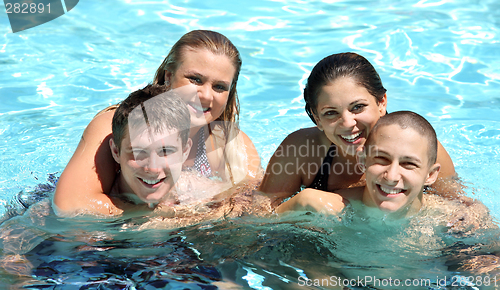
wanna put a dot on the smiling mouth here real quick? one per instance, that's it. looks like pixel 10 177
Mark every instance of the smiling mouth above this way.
pixel 351 137
pixel 199 109
pixel 152 182
pixel 390 190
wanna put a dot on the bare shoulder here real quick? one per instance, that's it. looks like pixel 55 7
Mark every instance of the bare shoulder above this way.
pixel 463 215
pixel 100 124
pixel 303 136
pixel 253 159
pixel 246 139
pixel 302 146
pixel 443 158
pixel 91 170
pixel 293 163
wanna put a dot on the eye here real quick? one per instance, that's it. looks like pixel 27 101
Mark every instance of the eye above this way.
pixel 409 165
pixel 381 160
pixel 195 79
pixel 166 151
pixel 139 154
pixel 358 108
pixel 330 113
pixel 221 88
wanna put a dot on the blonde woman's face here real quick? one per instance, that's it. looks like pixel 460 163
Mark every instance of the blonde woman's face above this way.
pixel 209 77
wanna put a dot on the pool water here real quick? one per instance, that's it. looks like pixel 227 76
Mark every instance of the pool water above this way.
pixel 437 58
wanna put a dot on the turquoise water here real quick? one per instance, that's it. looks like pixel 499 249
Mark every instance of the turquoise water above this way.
pixel 437 58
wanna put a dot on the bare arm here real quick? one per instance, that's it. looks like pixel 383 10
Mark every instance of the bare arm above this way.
pixel 90 173
pixel 294 163
pixel 443 158
pixel 282 178
pixel 446 185
pixel 314 200
pixel 253 158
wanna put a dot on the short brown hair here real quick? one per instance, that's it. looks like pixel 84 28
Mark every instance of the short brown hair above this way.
pixel 407 119
pixel 164 112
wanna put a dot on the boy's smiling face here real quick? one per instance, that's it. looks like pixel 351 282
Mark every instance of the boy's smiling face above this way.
pixel 150 164
pixel 397 168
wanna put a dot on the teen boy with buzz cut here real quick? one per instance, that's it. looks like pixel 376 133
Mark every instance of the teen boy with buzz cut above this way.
pixel 399 159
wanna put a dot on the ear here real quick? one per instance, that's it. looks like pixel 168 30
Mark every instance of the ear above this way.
pixel 318 123
pixel 433 174
pixel 361 159
pixel 186 150
pixel 168 78
pixel 382 106
pixel 114 150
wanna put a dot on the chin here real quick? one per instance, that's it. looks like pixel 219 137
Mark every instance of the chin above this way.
pixel 155 199
pixel 199 121
pixel 389 208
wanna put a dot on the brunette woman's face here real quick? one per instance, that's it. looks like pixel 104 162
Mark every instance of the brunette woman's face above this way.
pixel 210 76
pixel 346 112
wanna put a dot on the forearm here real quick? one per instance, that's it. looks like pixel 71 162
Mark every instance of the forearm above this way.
pixel 293 204
pixel 314 200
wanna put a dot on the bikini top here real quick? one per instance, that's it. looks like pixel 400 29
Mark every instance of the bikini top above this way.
pixel 201 161
pixel 321 180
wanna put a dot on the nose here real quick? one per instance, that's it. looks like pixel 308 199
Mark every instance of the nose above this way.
pixel 204 93
pixel 348 120
pixel 155 163
pixel 392 173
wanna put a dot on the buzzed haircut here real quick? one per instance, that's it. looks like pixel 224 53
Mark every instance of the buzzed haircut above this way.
pixel 160 110
pixel 407 119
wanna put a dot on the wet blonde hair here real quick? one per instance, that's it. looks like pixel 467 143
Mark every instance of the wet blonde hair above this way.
pixel 217 44
pixel 225 132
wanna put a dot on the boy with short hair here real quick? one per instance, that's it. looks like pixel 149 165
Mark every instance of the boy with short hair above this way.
pixel 150 143
pixel 399 158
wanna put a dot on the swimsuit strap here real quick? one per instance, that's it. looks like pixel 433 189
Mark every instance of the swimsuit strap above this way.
pixel 321 180
pixel 201 161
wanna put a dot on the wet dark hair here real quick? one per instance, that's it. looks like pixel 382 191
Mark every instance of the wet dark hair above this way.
pixel 341 65
pixel 160 110
pixel 407 119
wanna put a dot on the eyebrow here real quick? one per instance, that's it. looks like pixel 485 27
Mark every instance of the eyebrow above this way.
pixel 147 147
pixel 350 104
pixel 406 157
pixel 192 72
pixel 168 147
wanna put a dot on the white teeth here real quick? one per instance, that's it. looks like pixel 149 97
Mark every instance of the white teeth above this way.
pixel 390 190
pixel 198 108
pixel 151 182
pixel 351 138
